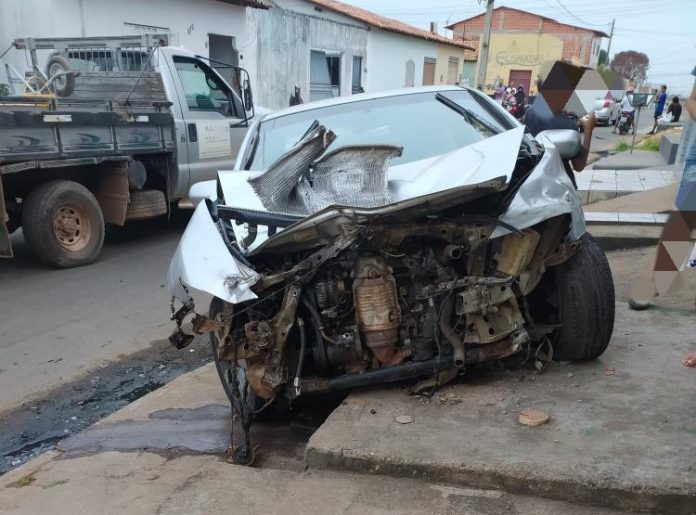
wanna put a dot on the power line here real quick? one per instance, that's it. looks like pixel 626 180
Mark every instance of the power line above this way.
pixel 578 18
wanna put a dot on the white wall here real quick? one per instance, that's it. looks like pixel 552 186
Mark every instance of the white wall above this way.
pixel 389 53
pixel 285 37
pixel 187 21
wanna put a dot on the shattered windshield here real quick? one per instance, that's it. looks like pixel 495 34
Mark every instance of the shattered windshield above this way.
pixel 422 124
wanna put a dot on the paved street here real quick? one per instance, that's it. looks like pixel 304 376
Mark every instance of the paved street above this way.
pixel 604 140
pixel 57 324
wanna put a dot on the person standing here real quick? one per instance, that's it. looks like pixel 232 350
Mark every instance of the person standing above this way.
pixel 659 100
pixel 675 242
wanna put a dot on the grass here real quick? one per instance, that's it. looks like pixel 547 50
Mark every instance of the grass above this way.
pixel 622 146
pixel 652 143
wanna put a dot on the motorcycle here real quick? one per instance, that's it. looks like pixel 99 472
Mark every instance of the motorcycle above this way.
pixel 625 122
pixel 515 109
pixel 328 271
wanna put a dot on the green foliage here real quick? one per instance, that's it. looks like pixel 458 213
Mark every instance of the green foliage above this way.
pixel 4 90
pixel 603 58
pixel 622 146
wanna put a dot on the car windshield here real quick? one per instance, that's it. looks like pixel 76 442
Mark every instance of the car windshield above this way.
pixel 424 124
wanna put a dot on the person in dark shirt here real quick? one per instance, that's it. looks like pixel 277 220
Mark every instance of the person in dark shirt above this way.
pixel 519 95
pixel 674 109
pixel 659 100
pixel 545 112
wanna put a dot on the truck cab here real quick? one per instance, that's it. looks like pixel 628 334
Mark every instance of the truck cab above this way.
pixel 109 130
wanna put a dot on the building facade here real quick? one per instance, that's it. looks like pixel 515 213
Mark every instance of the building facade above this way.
pixel 212 28
pixel 318 48
pixel 522 41
pixel 326 48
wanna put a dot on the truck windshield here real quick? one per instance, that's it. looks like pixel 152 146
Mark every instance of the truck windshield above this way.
pixel 420 123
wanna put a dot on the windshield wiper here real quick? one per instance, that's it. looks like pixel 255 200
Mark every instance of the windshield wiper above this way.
pixel 466 113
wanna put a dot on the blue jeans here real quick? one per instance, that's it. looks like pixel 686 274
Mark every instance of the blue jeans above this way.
pixel 686 196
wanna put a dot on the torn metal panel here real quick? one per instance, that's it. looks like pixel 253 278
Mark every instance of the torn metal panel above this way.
pixel 546 193
pixel 203 262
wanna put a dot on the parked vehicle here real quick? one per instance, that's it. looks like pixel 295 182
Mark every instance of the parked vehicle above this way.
pixel 383 237
pixel 515 109
pixel 99 139
pixel 607 110
pixel 625 122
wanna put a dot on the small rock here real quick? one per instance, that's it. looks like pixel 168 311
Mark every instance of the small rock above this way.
pixel 556 441
pixel 373 411
pixel 404 419
pixel 532 417
pixel 575 385
pixel 504 412
pixel 579 400
pixel 570 374
pixel 152 477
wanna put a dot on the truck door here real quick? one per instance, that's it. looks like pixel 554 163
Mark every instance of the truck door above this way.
pixel 213 115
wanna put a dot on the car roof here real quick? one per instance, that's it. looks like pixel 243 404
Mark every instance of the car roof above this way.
pixel 358 98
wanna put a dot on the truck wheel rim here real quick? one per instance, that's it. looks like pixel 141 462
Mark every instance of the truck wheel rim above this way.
pixel 55 70
pixel 71 227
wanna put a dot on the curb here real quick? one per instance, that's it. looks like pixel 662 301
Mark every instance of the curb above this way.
pixel 621 237
pixel 606 493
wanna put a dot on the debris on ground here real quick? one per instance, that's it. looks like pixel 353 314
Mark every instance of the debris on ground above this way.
pixel 533 417
pixel 609 370
pixel 404 419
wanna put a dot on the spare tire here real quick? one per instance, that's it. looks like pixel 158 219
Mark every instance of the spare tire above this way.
pixel 64 85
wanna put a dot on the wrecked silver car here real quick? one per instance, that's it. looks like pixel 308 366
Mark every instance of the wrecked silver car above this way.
pixel 376 238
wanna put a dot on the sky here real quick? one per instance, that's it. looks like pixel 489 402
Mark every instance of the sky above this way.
pixel 664 30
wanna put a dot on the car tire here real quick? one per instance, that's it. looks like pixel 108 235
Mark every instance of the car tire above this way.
pixel 586 303
pixel 63 224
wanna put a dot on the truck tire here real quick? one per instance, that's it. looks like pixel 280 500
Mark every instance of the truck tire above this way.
pixel 64 85
pixel 146 204
pixel 585 294
pixel 63 224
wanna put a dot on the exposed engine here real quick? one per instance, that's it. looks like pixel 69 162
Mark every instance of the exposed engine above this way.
pixel 400 294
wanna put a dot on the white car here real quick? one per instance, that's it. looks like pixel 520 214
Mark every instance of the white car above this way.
pixel 607 110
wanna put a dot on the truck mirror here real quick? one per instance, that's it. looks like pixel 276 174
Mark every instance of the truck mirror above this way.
pixel 247 96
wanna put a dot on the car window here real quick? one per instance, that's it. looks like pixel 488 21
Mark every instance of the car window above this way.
pixel 204 90
pixel 420 123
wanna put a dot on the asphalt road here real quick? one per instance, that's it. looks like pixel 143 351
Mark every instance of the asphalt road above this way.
pixel 603 140
pixel 58 324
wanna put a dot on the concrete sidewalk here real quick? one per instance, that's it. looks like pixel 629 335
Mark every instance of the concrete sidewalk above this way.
pixel 630 161
pixel 164 454
pixel 622 430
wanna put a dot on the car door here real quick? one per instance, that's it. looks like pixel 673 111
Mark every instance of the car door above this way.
pixel 213 116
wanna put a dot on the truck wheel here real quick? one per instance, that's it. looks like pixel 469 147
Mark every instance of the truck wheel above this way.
pixel 64 85
pixel 63 224
pixel 580 295
pixel 146 204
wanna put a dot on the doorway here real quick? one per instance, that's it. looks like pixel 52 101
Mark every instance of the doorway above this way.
pixel 523 77
pixel 222 48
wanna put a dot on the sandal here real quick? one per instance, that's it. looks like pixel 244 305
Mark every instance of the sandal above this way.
pixel 690 360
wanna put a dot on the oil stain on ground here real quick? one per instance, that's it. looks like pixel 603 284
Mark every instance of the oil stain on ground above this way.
pixel 38 426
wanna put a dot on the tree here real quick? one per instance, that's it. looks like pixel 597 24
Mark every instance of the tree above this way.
pixel 4 90
pixel 603 58
pixel 631 65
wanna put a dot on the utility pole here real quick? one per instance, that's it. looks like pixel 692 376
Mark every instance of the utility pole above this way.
pixel 611 36
pixel 485 44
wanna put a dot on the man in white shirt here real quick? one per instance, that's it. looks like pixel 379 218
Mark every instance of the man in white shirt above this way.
pixel 626 107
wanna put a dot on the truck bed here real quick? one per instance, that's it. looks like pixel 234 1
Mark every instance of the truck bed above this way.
pixel 109 114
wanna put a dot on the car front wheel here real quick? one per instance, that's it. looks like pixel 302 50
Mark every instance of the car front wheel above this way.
pixel 578 297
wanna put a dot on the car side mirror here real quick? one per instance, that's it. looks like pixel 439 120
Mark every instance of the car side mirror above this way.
pixel 567 141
